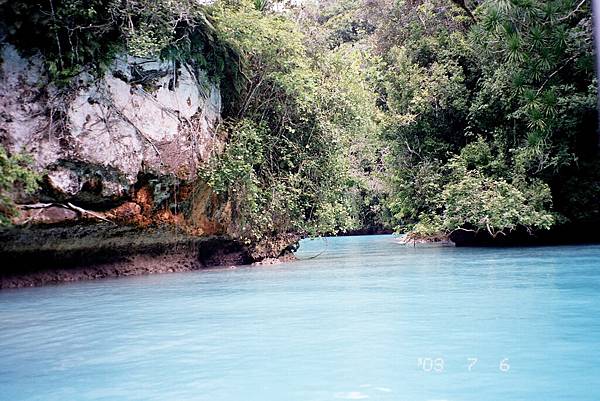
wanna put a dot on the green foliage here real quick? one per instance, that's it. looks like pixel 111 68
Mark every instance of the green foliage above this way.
pixel 348 113
pixel 416 190
pixel 427 82
pixel 479 202
pixel 538 61
pixel 286 166
pixel 345 22
pixel 486 120
pixel 15 176
pixel 479 121
pixel 470 193
pixel 85 35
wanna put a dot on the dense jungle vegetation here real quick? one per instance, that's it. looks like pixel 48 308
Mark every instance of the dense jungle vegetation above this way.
pixel 412 115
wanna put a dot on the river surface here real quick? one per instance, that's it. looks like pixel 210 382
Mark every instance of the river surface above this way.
pixel 366 318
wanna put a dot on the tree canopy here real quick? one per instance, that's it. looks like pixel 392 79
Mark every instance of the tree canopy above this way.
pixel 423 116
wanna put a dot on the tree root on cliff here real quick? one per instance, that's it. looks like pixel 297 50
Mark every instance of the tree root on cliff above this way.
pixel 69 205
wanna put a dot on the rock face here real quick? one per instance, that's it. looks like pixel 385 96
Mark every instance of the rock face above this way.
pixel 123 148
pixel 44 255
pixel 141 116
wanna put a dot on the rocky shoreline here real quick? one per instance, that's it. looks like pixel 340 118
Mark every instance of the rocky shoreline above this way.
pixel 564 234
pixel 38 256
pixel 118 156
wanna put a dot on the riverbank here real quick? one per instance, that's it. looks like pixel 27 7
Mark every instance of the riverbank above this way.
pixel 38 256
pixel 565 234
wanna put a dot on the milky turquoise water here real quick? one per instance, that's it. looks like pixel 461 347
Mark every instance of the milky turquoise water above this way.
pixel 367 319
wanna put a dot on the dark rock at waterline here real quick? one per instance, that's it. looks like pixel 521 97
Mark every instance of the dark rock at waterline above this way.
pixel 365 231
pixel 42 255
pixel 574 233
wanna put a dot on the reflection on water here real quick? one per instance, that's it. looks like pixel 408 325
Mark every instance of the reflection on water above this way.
pixel 366 319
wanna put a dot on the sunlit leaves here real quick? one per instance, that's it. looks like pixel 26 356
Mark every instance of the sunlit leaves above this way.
pixel 16 175
pixel 494 205
pixel 286 167
pixel 527 109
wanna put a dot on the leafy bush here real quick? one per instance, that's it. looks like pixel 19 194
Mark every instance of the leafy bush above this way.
pixel 478 202
pixel 488 119
pixel 286 166
pixel 15 176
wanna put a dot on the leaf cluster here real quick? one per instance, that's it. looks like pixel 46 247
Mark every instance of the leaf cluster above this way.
pixel 16 175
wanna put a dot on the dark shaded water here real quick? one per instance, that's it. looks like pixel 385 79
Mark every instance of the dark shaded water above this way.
pixel 368 319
